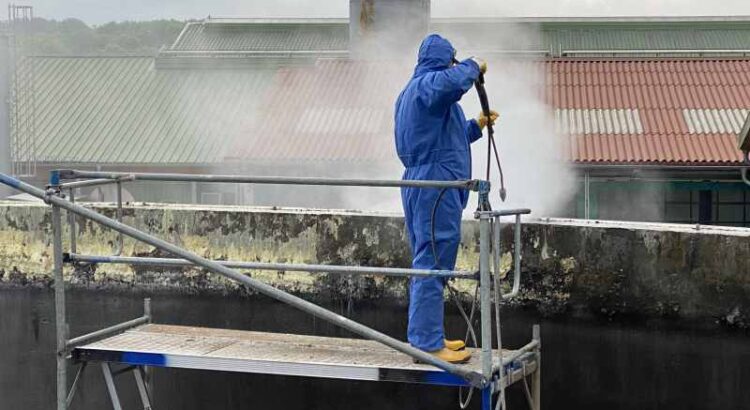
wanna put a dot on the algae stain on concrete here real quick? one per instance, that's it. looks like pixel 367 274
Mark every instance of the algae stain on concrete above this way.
pixel 25 246
pixel 568 264
pixel 23 252
pixel 565 267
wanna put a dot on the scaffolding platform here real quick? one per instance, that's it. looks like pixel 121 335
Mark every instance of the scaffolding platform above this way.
pixel 277 354
pixel 136 346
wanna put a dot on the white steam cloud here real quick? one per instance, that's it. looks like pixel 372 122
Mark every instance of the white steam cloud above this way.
pixel 536 170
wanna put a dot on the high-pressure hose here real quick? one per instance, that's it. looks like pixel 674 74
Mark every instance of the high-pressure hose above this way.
pixel 469 319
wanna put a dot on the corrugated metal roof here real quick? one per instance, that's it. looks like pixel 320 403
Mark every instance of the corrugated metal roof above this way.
pixel 122 110
pixel 335 110
pixel 689 109
pixel 254 36
pixel 682 38
pixel 599 20
pixel 553 36
pixel 561 36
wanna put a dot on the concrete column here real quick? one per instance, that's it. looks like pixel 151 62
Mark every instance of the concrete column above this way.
pixel 387 29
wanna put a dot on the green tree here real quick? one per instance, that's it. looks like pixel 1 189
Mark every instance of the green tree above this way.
pixel 74 37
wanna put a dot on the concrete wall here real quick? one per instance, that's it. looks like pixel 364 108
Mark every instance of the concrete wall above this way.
pixel 570 267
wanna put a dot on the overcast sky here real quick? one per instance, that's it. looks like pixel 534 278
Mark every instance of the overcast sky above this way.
pixel 100 11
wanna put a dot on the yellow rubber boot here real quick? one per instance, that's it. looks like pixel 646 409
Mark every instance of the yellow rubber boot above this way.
pixel 451 356
pixel 454 344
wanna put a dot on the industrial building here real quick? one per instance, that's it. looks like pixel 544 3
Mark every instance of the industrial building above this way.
pixel 645 115
pixel 649 108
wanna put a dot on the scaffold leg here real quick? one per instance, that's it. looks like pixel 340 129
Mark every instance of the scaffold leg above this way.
pixel 60 317
pixel 111 386
pixel 536 378
pixel 148 377
pixel 74 387
pixel 142 391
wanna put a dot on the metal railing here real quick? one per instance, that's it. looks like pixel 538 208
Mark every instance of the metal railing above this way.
pixel 287 267
pixel 489 223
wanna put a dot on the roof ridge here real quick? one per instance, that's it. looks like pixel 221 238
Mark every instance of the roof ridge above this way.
pixel 88 56
pixel 655 59
pixel 599 19
pixel 515 19
pixel 274 20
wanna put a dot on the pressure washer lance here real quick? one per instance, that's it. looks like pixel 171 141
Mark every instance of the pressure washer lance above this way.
pixel 491 146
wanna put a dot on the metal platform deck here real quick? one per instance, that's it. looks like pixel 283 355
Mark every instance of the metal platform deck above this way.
pixel 276 353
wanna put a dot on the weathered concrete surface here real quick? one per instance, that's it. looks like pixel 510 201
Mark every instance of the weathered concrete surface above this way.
pixel 249 234
pixel 570 267
pixel 643 269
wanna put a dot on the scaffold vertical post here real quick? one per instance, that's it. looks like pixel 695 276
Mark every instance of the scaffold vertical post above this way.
pixel 536 379
pixel 485 302
pixel 72 222
pixel 147 308
pixel 120 236
pixel 148 372
pixel 60 322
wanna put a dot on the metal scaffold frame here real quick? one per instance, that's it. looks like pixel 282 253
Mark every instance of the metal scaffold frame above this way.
pixel 22 99
pixel 491 380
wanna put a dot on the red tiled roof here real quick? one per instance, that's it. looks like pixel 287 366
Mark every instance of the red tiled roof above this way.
pixel 661 91
pixel 654 84
pixel 614 111
pixel 676 149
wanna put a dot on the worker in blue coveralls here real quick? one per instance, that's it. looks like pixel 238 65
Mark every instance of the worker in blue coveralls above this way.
pixel 432 140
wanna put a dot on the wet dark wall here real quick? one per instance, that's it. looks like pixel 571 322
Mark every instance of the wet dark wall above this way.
pixel 585 365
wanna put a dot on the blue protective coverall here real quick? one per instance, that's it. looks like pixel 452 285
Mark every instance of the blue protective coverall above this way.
pixel 432 140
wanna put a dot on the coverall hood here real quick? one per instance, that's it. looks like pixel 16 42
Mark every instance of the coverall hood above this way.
pixel 435 54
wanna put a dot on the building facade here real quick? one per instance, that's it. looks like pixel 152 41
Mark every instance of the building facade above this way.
pixel 648 110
